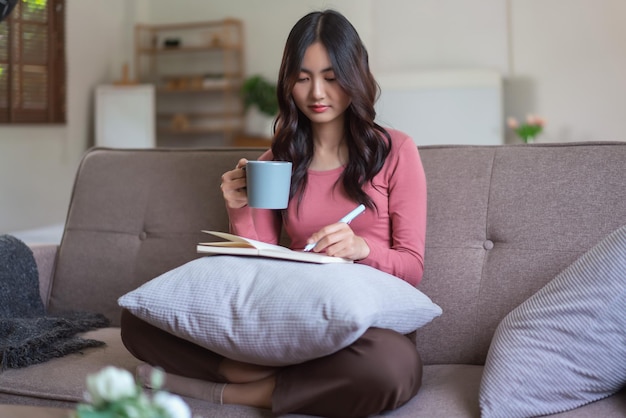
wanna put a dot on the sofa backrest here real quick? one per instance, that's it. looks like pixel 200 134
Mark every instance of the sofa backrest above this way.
pixel 133 215
pixel 502 222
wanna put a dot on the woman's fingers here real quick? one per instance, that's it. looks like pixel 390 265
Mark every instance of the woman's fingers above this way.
pixel 241 163
pixel 339 240
pixel 233 186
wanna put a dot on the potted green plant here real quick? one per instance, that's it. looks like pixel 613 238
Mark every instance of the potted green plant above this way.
pixel 529 130
pixel 261 103
pixel 258 91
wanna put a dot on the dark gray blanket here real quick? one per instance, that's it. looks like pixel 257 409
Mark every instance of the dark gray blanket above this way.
pixel 27 335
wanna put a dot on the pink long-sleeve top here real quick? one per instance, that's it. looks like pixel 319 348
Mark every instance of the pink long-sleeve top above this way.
pixel 395 231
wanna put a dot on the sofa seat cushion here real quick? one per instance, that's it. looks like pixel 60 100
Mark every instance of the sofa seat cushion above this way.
pixel 23 411
pixel 612 407
pixel 63 379
pixel 447 390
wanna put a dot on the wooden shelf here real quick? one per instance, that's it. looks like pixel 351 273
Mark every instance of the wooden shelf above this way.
pixel 218 24
pixel 198 130
pixel 200 115
pixel 252 141
pixel 211 89
pixel 208 60
pixel 188 49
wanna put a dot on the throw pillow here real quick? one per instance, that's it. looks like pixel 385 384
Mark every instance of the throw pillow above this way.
pixel 275 312
pixel 566 345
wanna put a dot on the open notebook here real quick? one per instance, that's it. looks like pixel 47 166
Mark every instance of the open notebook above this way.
pixel 236 245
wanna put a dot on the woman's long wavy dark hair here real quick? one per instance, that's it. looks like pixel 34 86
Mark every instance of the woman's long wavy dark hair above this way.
pixel 368 143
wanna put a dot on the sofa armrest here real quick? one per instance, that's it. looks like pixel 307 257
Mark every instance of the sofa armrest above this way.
pixel 45 257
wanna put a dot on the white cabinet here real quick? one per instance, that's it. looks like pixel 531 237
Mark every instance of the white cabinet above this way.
pixel 125 116
pixel 443 107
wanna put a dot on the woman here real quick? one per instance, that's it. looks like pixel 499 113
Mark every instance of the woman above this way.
pixel 341 158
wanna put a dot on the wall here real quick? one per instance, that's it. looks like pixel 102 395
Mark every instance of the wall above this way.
pixel 267 23
pixel 568 63
pixel 563 59
pixel 38 163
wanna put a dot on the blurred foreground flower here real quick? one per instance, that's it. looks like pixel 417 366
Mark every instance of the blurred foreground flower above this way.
pixel 529 130
pixel 113 393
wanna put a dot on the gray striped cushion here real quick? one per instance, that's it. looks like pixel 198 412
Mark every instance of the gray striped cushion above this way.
pixel 276 312
pixel 566 345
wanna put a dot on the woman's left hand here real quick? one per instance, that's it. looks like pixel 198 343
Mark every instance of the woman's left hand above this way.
pixel 339 240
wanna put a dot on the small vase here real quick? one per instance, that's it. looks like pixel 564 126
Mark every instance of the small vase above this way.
pixel 259 124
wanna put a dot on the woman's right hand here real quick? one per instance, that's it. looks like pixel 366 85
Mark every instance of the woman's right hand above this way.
pixel 234 186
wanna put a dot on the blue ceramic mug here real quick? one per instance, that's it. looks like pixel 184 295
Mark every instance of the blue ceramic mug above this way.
pixel 268 184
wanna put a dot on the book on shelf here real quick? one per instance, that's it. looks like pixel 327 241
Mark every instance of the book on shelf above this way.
pixel 236 245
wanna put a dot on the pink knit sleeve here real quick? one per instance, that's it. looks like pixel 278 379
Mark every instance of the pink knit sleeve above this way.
pixel 407 210
pixel 257 224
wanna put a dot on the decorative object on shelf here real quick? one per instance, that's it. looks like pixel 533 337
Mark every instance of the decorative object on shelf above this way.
pixel 113 393
pixel 259 94
pixel 125 80
pixel 171 43
pixel 215 80
pixel 216 40
pixel 195 82
pixel 176 83
pixel 529 130
pixel 180 122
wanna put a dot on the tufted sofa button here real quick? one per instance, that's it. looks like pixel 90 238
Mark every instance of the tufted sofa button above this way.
pixel 143 236
pixel 488 245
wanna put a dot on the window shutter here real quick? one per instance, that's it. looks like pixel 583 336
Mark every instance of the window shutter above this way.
pixel 32 63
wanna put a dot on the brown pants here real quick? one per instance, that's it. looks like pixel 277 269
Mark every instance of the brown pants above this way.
pixel 380 371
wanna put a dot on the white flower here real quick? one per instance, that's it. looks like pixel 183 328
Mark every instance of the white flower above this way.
pixel 173 405
pixel 112 392
pixel 110 384
pixel 133 411
pixel 157 378
pixel 512 123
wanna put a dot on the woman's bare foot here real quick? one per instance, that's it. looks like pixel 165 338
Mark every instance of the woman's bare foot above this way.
pixel 143 374
pixel 256 392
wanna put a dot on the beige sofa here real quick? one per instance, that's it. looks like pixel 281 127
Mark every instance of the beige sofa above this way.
pixel 502 222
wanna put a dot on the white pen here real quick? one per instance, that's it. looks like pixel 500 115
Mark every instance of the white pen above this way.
pixel 346 220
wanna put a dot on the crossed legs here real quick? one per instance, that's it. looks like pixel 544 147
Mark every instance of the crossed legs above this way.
pixel 249 384
pixel 380 371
